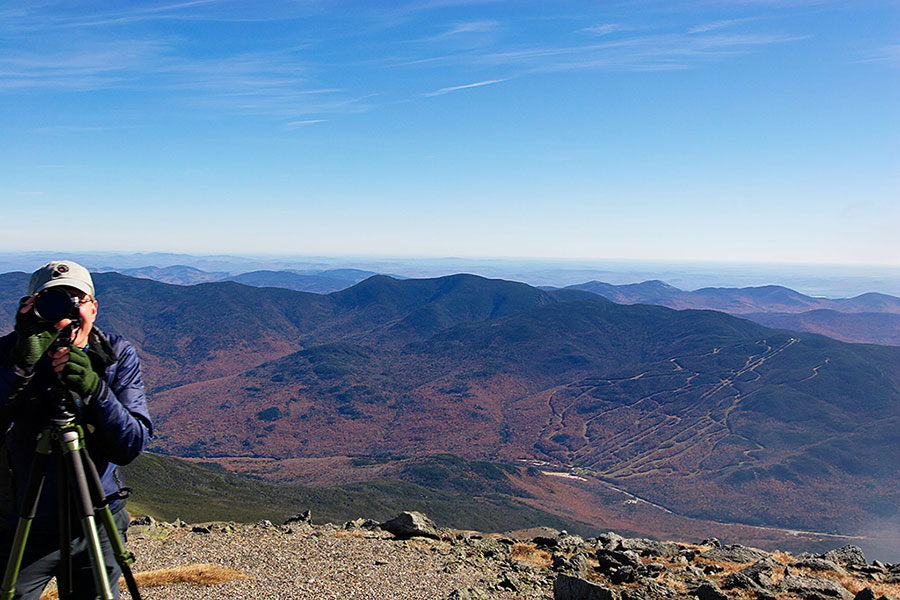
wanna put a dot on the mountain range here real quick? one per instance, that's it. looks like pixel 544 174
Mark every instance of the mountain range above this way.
pixel 868 318
pixel 875 317
pixel 320 281
pixel 697 412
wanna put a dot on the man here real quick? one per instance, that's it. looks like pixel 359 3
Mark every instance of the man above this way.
pixel 103 375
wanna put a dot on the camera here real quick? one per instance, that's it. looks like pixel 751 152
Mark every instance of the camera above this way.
pixel 54 304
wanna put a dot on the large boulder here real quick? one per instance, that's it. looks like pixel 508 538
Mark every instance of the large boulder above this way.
pixel 611 559
pixel 708 591
pixel 813 587
pixel 411 524
pixel 566 587
pixel 816 564
pixel 846 555
pixel 735 553
pixel 610 540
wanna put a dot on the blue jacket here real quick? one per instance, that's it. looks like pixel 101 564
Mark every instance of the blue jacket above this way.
pixel 116 421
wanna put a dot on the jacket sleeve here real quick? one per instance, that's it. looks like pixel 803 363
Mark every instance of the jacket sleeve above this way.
pixel 10 383
pixel 119 412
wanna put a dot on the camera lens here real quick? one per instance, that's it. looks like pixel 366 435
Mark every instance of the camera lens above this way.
pixel 55 304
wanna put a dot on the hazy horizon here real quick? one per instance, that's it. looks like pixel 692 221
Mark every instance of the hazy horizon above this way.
pixel 834 281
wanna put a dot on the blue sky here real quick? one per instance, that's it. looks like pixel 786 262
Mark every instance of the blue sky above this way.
pixel 751 130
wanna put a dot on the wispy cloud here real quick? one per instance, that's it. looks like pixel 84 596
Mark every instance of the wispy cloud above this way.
pixel 884 54
pixel 603 28
pixel 470 27
pixel 455 88
pixel 635 53
pixel 716 25
pixel 299 124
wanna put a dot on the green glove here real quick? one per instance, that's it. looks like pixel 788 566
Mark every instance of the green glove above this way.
pixel 33 338
pixel 78 375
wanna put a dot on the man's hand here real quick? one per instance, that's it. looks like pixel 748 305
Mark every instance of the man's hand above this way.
pixel 33 336
pixel 76 371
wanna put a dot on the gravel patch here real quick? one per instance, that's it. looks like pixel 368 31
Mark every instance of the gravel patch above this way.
pixel 328 562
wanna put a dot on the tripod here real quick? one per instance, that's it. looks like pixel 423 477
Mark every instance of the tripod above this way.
pixel 79 488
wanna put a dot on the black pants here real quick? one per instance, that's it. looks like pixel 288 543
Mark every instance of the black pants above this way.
pixel 42 558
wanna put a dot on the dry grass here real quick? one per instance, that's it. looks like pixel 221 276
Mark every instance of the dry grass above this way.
pixel 855 583
pixel 529 553
pixel 783 557
pixel 727 567
pixel 191 574
pixel 697 547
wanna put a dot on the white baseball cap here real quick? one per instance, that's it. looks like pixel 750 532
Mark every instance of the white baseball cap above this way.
pixel 61 272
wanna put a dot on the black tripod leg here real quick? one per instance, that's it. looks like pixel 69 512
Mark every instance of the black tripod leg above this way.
pixel 64 519
pixel 29 508
pixel 123 557
pixel 72 443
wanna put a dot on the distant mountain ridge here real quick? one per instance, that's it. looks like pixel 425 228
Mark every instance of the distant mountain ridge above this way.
pixel 875 317
pixel 316 281
pixel 748 300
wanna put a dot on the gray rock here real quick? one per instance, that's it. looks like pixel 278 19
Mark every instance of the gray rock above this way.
pixel 509 582
pixel 809 587
pixel 765 567
pixel 867 569
pixel 653 569
pixel 360 524
pixel 846 555
pixel 648 589
pixel 546 541
pixel 740 581
pixel 411 524
pixel 694 571
pixel 760 573
pixel 622 575
pixel 468 593
pixel 304 517
pixel 735 553
pixel 708 591
pixel 146 521
pixel 657 589
pixel 578 564
pixel 569 543
pixel 610 559
pixel 566 587
pixel 816 564
pixel 715 543
pixel 689 554
pixel 610 540
pixel 264 523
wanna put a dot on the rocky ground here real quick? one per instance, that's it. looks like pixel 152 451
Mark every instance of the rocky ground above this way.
pixel 410 558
